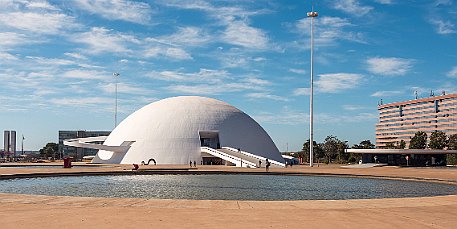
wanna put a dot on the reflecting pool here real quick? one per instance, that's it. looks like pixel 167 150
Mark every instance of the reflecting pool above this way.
pixel 225 187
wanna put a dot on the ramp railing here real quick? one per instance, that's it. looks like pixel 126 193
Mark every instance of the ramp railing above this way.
pixel 263 159
pixel 225 156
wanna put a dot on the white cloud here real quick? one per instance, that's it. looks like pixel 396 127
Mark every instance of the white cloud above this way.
pixel 189 36
pixel 453 72
pixel 353 107
pixel 100 40
pixel 50 61
pixel 386 93
pixel 7 56
pixel 86 74
pixel 443 27
pixel 203 89
pixel 169 52
pixel 132 11
pixel 264 95
pixel 386 2
pixel 75 55
pixel 43 5
pixel 125 88
pixel 239 33
pixel 203 75
pixel 234 19
pixel 338 82
pixel 256 81
pixel 297 71
pixel 389 66
pixel 177 53
pixel 352 7
pixel 302 91
pixel 82 102
pixel 330 30
pixel 287 116
pixel 47 23
pixel 11 39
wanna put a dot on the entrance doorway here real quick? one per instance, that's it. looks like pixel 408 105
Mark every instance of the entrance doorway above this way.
pixel 210 139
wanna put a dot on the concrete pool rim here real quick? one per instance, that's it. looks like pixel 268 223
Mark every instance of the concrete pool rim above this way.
pixel 194 171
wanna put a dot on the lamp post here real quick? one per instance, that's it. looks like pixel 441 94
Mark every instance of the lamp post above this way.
pixel 22 145
pixel 116 77
pixel 312 15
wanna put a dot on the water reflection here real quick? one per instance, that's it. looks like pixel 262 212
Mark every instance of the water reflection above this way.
pixel 225 187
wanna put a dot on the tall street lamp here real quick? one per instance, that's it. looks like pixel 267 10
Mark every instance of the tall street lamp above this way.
pixel 116 77
pixel 312 15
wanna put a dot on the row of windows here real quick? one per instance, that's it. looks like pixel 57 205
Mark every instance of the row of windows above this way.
pixel 453 125
pixel 420 122
pixel 417 118
pixel 411 133
pixel 418 106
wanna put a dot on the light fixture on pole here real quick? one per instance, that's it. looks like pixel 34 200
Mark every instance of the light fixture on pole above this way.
pixel 312 15
pixel 116 76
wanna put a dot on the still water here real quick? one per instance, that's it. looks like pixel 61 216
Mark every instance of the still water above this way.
pixel 225 187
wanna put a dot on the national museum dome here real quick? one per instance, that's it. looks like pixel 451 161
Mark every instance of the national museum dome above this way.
pixel 173 130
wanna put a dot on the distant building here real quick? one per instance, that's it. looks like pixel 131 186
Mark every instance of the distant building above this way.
pixel 78 152
pixel 401 120
pixel 9 143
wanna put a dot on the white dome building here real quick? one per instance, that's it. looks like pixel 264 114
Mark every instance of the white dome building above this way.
pixel 186 128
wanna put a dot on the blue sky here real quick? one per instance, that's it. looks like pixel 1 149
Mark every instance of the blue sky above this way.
pixel 57 60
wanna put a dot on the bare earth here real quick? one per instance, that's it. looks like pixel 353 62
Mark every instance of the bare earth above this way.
pixel 33 211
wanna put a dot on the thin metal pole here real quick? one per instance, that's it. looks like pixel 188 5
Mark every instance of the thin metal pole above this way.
pixel 116 76
pixel 311 14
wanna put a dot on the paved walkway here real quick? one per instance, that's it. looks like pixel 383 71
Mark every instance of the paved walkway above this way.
pixel 33 211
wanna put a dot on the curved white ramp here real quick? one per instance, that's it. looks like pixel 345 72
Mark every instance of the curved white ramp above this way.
pixel 251 157
pixel 239 162
pixel 88 143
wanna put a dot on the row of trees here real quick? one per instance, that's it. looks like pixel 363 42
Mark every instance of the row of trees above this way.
pixel 438 140
pixel 333 150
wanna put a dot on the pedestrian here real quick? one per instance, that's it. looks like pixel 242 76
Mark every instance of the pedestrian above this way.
pixel 190 163
pixel 291 163
pixel 195 164
pixel 260 163
pixel 267 165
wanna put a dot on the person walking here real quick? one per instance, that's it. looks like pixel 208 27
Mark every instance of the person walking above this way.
pixel 267 165
pixel 195 164
pixel 260 163
pixel 190 163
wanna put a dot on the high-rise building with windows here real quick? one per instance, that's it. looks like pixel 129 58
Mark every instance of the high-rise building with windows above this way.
pixel 401 120
pixel 9 143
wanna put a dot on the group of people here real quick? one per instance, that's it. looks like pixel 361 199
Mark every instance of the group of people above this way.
pixel 136 166
pixel 267 164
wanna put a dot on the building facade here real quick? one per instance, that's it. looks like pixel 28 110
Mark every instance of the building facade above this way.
pixel 78 153
pixel 401 120
pixel 9 143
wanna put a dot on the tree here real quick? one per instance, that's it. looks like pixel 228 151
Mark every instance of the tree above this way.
pixel 49 150
pixel 438 140
pixel 390 145
pixel 452 145
pixel 305 150
pixel 401 144
pixel 332 147
pixel 419 141
pixel 366 144
pixel 452 142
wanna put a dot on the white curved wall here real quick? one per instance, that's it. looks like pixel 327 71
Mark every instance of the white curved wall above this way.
pixel 168 131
